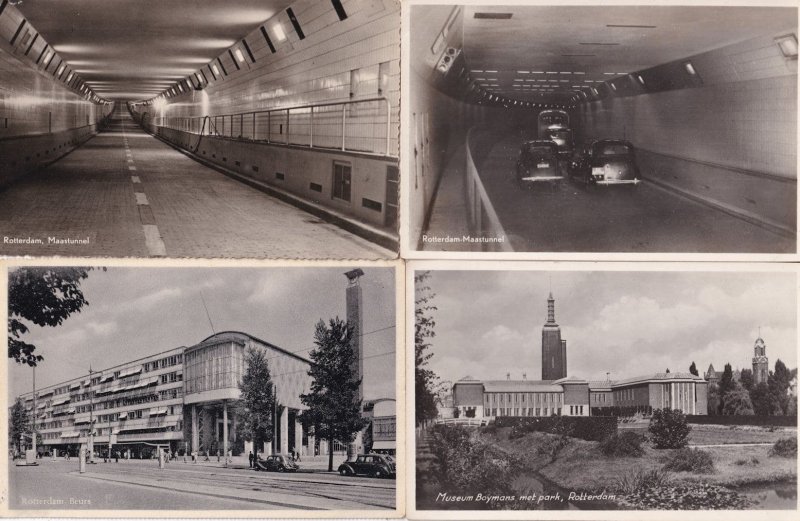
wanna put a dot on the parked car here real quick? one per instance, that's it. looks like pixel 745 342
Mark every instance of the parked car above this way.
pixel 539 164
pixel 375 465
pixel 605 162
pixel 277 463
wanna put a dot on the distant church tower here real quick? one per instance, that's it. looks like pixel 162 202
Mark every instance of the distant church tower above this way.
pixel 554 350
pixel 760 362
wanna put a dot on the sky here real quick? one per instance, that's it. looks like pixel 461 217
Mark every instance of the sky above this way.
pixel 488 323
pixel 136 312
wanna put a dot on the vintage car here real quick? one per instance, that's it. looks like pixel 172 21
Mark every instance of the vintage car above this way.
pixel 539 164
pixel 277 463
pixel 605 162
pixel 375 465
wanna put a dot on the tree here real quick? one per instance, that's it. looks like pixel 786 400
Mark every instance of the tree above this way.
pixel 693 369
pixel 333 408
pixel 425 380
pixel 764 403
pixel 667 370
pixel 669 429
pixel 18 423
pixel 746 379
pixel 779 382
pixel 45 297
pixel 258 400
pixel 737 403
pixel 725 384
pixel 713 400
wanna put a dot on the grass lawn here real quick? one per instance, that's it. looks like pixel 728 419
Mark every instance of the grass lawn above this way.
pixel 720 434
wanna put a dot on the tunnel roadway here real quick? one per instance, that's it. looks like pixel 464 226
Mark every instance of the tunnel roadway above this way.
pixel 645 218
pixel 126 193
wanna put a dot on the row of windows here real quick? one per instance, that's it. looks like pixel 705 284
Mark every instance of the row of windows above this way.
pixel 168 361
pixel 524 411
pixel 508 398
pixel 576 410
pixel 168 394
pixel 599 397
pixel 624 394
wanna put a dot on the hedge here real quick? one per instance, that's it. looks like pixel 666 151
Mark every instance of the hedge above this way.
pixel 778 421
pixel 590 428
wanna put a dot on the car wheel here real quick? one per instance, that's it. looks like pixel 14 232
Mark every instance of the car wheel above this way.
pixel 281 468
pixel 378 473
pixel 344 471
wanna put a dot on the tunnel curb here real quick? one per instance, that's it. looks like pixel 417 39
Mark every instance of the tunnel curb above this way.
pixel 372 234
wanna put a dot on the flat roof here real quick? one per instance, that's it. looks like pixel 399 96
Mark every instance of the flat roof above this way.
pixel 521 386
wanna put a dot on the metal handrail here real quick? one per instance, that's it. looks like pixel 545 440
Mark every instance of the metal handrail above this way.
pixel 195 124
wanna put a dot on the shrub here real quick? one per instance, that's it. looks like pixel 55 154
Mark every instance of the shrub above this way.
pixel 785 448
pixel 669 429
pixel 753 461
pixel 627 443
pixel 690 460
pixel 642 479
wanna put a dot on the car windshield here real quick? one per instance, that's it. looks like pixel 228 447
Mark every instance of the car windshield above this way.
pixel 612 149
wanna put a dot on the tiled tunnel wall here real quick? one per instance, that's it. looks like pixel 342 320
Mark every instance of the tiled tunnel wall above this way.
pixel 42 116
pixel 337 60
pixel 731 142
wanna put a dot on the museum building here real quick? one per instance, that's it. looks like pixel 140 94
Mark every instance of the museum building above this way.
pixel 559 394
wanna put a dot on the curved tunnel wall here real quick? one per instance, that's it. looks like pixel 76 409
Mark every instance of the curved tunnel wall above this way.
pixel 42 116
pixel 336 61
pixel 731 142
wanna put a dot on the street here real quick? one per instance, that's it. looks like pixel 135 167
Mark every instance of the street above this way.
pixel 141 485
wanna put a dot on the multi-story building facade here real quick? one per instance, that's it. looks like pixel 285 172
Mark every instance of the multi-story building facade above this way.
pixel 182 399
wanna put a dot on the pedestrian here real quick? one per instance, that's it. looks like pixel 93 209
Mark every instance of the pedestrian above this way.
pixel 217 455
pixel 251 458
pixel 116 456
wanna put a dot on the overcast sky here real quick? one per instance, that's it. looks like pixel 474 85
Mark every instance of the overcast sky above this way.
pixel 489 323
pixel 136 312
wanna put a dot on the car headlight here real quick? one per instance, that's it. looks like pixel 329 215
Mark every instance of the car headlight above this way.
pixel 598 172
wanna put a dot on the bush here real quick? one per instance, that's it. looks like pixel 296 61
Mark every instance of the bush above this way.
pixel 627 443
pixel 642 479
pixel 590 428
pixel 753 461
pixel 690 460
pixel 785 448
pixel 669 429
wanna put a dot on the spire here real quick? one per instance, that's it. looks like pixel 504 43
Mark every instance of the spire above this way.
pixel 551 309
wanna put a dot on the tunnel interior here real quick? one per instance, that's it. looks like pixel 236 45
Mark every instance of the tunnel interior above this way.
pixel 707 95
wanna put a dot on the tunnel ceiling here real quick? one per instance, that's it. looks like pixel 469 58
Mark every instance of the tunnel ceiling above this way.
pixel 134 49
pixel 579 46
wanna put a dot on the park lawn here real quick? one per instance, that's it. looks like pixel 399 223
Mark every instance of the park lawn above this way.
pixel 581 467
pixel 723 434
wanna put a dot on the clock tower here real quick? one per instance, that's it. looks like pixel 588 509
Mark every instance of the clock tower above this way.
pixel 760 362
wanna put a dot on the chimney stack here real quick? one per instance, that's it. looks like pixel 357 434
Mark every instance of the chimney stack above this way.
pixel 508 376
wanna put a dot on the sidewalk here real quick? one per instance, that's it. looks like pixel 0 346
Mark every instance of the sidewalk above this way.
pixel 306 463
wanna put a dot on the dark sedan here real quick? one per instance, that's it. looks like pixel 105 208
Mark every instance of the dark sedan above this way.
pixel 606 162
pixel 277 463
pixel 539 164
pixel 375 465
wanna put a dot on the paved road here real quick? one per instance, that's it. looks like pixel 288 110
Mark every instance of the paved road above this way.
pixel 642 219
pixel 141 485
pixel 132 195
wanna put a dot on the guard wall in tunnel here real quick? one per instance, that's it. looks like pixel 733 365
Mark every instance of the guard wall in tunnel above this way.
pixel 42 117
pixel 731 142
pixel 340 69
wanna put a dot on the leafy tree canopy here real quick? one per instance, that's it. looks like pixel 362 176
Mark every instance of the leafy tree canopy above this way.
pixel 258 400
pixel 425 380
pixel 45 297
pixel 693 369
pixel 333 408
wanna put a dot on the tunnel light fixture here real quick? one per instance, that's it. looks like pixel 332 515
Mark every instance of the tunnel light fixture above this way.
pixel 199 79
pixel 280 35
pixel 690 68
pixel 69 77
pixel 578 73
pixel 523 72
pixel 180 87
pixel 214 71
pixel 239 55
pixel 639 77
pixel 61 70
pixel 491 72
pixel 788 45
pixel 613 87
pixel 595 91
pixel 47 57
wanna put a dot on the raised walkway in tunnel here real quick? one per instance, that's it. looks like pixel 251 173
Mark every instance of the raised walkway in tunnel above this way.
pixel 125 193
pixel 646 218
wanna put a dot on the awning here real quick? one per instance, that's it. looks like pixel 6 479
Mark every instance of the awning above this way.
pixel 106 378
pixel 384 445
pixel 123 416
pixel 43 416
pixel 82 421
pixel 60 401
pixel 158 411
pixel 41 406
pixel 45 393
pixel 71 410
pixel 130 372
pixel 86 383
pixel 75 386
pixel 115 431
pixel 70 434
pixel 162 428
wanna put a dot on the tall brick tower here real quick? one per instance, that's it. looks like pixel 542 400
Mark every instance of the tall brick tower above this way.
pixel 356 319
pixel 554 349
pixel 760 361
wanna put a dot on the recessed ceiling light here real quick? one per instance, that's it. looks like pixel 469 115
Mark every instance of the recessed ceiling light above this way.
pixel 641 80
pixel 523 72
pixel 690 68
pixel 788 45
pixel 613 87
pixel 278 30
pixel 239 55
pixel 490 72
